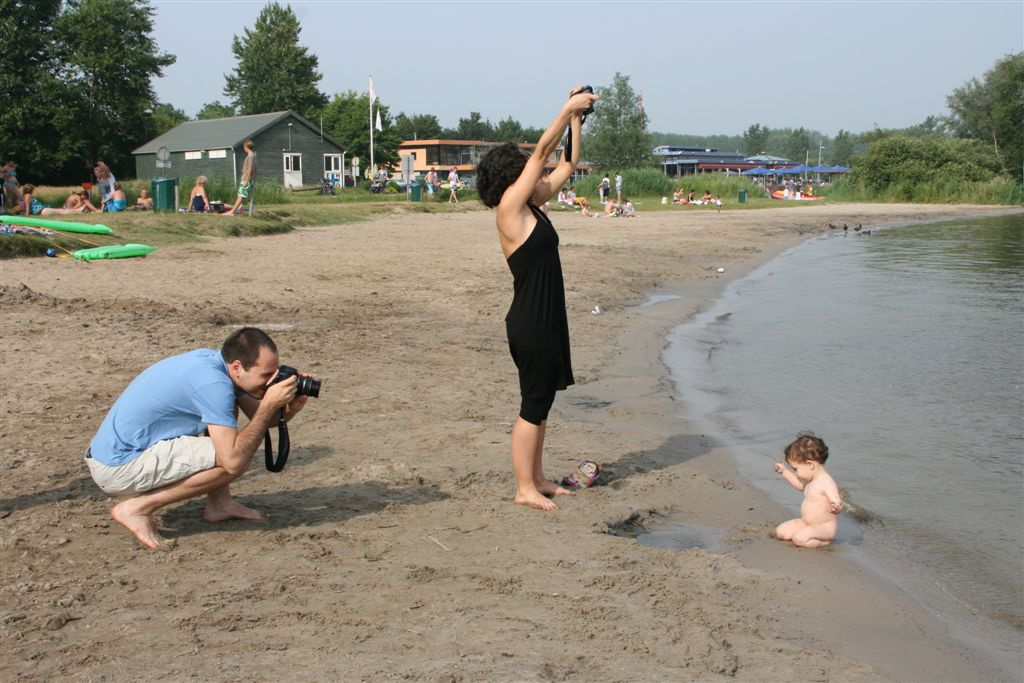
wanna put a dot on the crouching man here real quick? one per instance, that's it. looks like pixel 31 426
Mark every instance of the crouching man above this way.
pixel 173 433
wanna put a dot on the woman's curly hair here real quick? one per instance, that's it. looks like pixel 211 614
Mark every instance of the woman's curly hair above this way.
pixel 497 170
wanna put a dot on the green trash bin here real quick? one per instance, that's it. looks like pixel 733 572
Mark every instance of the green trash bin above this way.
pixel 415 192
pixel 743 196
pixel 165 194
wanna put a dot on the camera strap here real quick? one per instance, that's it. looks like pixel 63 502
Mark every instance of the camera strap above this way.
pixel 284 446
pixel 568 138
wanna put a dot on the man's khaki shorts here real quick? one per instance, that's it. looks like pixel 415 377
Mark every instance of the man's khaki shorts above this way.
pixel 163 463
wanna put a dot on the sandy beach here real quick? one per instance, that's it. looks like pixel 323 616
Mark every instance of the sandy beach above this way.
pixel 393 549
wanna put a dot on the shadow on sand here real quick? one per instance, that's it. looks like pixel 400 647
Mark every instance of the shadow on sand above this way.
pixel 306 507
pixel 675 450
pixel 83 487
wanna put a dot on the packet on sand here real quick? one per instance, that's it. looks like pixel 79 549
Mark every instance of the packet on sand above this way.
pixel 583 476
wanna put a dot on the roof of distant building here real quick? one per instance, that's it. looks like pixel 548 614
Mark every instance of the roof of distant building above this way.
pixel 223 133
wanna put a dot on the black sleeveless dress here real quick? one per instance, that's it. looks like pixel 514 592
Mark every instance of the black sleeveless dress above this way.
pixel 536 324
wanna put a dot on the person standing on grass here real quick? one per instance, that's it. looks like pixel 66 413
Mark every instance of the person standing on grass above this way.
pixel 430 181
pixel 104 179
pixel 453 181
pixel 618 187
pixel 536 325
pixel 248 176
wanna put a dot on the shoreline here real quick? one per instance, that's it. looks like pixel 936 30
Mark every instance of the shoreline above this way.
pixel 393 548
pixel 863 545
pixel 863 633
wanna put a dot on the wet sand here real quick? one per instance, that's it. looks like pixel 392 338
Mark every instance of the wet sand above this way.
pixel 393 549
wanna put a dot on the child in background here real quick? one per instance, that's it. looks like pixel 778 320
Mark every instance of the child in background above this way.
pixel 818 523
pixel 144 202
pixel 628 210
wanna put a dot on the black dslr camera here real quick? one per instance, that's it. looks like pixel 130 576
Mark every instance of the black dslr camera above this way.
pixel 586 89
pixel 304 386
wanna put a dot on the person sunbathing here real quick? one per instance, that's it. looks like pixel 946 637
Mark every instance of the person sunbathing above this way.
pixel 197 199
pixel 144 202
pixel 628 210
pixel 78 202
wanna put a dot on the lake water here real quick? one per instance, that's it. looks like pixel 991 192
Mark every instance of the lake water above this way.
pixel 904 350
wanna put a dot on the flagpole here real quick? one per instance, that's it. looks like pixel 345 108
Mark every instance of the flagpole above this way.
pixel 372 93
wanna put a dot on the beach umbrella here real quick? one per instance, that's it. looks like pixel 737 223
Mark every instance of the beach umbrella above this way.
pixel 760 170
pixel 820 169
pixel 787 171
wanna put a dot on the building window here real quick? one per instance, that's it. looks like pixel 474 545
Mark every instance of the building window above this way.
pixel 192 156
pixel 433 154
pixel 217 154
pixel 332 164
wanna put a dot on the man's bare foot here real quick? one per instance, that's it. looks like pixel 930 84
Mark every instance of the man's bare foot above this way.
pixel 232 509
pixel 549 488
pixel 536 500
pixel 139 524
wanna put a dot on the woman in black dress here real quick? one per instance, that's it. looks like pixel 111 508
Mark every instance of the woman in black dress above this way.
pixel 538 332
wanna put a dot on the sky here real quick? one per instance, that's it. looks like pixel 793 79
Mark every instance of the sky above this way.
pixel 703 67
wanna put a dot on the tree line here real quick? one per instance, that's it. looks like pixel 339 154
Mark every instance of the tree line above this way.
pixel 79 88
pixel 77 84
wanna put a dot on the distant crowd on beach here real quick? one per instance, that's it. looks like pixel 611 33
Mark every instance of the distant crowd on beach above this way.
pixel 20 198
pixel 689 198
pixel 567 198
pixel 98 182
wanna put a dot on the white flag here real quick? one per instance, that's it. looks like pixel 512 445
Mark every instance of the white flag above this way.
pixel 379 127
pixel 373 93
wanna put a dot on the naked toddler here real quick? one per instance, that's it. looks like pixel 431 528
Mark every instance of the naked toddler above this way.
pixel 818 520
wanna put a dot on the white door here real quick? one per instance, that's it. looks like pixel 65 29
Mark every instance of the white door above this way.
pixel 292 170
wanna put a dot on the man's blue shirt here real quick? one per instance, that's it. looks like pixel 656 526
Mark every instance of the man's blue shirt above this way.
pixel 177 396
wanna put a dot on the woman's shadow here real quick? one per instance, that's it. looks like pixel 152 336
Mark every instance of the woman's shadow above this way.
pixel 675 450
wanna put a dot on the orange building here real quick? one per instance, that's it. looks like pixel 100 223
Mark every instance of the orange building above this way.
pixel 464 155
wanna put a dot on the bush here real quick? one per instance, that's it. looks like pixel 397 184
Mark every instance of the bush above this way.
pixel 901 164
pixel 950 190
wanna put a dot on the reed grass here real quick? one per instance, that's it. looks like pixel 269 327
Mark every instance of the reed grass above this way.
pixel 996 191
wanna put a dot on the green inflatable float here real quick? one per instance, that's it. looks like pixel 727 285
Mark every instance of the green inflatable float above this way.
pixel 113 251
pixel 64 226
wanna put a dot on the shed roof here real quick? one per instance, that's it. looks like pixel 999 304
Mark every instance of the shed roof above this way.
pixel 221 133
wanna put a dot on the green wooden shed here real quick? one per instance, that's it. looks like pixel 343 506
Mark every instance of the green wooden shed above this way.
pixel 290 150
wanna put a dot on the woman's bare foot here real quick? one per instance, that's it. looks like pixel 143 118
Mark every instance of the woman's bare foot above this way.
pixel 231 509
pixel 549 488
pixel 534 499
pixel 139 524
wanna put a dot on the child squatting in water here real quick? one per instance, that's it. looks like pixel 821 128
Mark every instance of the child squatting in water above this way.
pixel 818 521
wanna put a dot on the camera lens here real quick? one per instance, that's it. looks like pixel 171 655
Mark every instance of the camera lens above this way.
pixel 307 386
